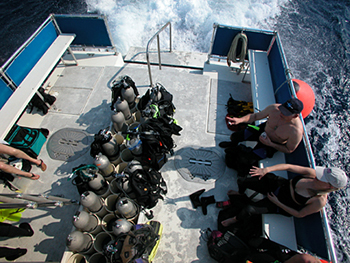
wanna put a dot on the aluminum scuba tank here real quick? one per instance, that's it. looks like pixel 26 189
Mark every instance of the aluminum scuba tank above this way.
pixel 126 208
pixel 123 106
pixel 133 166
pixel 91 201
pixel 98 184
pixel 84 221
pixel 121 226
pixel 104 165
pixel 135 146
pixel 128 94
pixel 125 184
pixel 78 241
pixel 156 94
pixel 111 149
pixel 118 120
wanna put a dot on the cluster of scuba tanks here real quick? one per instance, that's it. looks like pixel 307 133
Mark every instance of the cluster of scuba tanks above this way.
pixel 110 205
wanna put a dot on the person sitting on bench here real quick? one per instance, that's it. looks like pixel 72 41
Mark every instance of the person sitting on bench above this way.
pixel 282 131
pixel 303 195
pixel 6 151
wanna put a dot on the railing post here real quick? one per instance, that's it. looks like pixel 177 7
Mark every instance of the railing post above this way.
pixel 170 38
pixel 149 69
pixel 158 47
pixel 159 60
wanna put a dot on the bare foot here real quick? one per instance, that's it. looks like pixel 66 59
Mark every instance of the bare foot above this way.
pixel 229 221
pixel 233 192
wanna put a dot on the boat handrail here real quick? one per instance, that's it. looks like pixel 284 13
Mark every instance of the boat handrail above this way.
pixel 308 148
pixel 323 213
pixel 158 48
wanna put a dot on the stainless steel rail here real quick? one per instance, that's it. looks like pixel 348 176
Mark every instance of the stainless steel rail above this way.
pixel 323 213
pixel 158 47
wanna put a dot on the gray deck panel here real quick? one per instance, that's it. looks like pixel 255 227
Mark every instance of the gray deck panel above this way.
pixel 175 58
pixel 181 241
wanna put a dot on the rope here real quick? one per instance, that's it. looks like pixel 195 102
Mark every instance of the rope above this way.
pixel 288 79
pixel 231 55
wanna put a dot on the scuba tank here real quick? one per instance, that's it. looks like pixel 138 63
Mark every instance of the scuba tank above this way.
pixel 98 184
pixel 91 201
pixel 78 241
pixel 88 175
pixel 125 184
pixel 118 120
pixel 121 226
pixel 135 146
pixel 126 208
pixel 123 106
pixel 133 166
pixel 128 94
pixel 84 221
pixel 111 149
pixel 104 165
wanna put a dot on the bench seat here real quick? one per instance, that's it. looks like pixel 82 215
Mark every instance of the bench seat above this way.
pixel 277 227
pixel 20 98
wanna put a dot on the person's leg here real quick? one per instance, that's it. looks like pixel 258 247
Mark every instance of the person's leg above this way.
pixel 235 138
pixel 13 170
pixel 7 230
pixel 264 206
pixel 21 155
pixel 248 134
pixel 269 183
pixel 12 253
pixel 240 202
pixel 262 151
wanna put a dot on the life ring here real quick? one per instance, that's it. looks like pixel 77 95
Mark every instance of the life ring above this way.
pixel 304 93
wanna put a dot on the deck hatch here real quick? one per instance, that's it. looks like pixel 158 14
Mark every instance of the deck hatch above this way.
pixel 200 165
pixel 68 144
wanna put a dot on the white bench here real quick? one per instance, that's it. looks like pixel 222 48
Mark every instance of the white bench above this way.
pixel 277 227
pixel 20 98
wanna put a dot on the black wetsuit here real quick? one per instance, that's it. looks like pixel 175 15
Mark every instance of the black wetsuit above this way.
pixel 251 134
pixel 270 183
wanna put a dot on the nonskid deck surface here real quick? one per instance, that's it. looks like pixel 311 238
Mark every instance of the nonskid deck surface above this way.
pixel 83 102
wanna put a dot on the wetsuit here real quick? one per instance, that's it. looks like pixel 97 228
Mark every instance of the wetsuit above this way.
pixel 252 134
pixel 270 183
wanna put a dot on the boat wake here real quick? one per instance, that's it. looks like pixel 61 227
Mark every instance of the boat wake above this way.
pixel 134 24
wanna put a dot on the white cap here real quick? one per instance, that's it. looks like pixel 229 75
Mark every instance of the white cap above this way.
pixel 335 176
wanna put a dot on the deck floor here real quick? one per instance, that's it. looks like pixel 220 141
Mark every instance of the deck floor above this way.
pixel 83 102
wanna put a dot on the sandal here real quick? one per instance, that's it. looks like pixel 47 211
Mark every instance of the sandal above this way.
pixel 42 165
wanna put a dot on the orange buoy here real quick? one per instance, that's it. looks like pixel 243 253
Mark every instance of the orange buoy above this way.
pixel 306 95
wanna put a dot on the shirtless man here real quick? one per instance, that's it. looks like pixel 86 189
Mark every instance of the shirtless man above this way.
pixel 282 131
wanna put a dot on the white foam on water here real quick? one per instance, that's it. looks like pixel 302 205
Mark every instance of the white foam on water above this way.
pixel 133 23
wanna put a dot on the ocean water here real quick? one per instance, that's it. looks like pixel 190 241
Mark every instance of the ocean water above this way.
pixel 315 36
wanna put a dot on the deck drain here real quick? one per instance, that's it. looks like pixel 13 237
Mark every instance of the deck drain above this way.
pixel 199 165
pixel 68 144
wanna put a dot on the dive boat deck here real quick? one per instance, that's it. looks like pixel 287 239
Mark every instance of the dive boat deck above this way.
pixel 83 102
pixel 200 92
